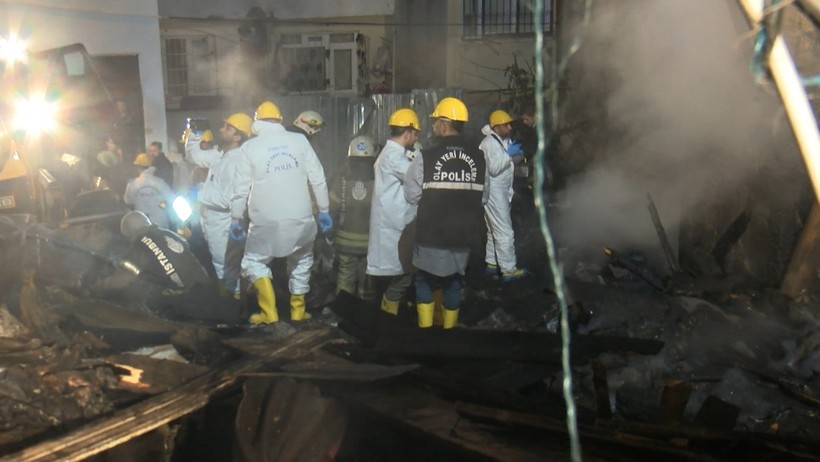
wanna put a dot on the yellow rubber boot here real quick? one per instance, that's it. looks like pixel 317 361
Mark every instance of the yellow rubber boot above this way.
pixel 267 302
pixel 438 311
pixel 425 314
pixel 450 318
pixel 389 306
pixel 297 308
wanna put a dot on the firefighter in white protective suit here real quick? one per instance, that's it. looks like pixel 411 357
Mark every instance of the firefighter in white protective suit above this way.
pixel 272 178
pixel 216 192
pixel 500 153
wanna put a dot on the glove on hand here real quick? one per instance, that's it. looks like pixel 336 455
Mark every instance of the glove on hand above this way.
pixel 325 222
pixel 515 149
pixel 237 232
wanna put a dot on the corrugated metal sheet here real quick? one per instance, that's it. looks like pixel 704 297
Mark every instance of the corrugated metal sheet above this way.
pixel 345 117
pixel 349 116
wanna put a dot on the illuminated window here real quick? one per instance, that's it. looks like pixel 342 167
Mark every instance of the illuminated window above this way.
pixel 503 17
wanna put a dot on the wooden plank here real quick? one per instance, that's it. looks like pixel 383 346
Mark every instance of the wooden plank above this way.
pixel 324 366
pixel 802 270
pixel 600 442
pixel 154 412
pixel 674 399
pixel 427 416
pixel 395 340
pixel 600 387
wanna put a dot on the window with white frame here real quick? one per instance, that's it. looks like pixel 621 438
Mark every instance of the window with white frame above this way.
pixel 189 66
pixel 318 62
pixel 504 17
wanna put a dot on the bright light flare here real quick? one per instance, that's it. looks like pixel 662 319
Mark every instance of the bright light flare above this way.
pixel 35 115
pixel 182 208
pixel 12 50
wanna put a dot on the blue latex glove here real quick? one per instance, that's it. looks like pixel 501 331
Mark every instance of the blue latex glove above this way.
pixel 325 222
pixel 237 232
pixel 515 149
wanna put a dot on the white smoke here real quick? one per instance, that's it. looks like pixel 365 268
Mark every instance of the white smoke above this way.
pixel 693 124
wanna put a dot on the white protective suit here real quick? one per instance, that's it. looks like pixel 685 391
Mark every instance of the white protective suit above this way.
pixel 215 196
pixel 389 211
pixel 500 237
pixel 271 182
pixel 150 195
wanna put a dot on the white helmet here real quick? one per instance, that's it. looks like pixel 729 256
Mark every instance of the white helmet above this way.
pixel 132 222
pixel 362 146
pixel 309 122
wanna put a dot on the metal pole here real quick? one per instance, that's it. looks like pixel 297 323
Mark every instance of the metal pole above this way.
pixel 793 95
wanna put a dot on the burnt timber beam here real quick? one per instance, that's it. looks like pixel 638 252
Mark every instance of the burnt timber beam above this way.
pixel 156 411
pixel 802 269
pixel 384 334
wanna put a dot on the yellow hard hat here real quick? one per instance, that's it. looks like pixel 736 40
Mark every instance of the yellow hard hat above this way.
pixel 241 122
pixel 404 118
pixel 143 160
pixel 208 136
pixel 500 117
pixel 451 108
pixel 268 110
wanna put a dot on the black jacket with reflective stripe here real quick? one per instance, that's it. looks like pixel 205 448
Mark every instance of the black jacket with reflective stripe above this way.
pixel 450 210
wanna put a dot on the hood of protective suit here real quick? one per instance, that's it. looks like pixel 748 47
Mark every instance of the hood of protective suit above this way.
pixel 486 130
pixel 259 126
pixel 149 171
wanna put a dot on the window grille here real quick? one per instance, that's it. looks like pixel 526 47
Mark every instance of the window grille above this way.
pixel 503 17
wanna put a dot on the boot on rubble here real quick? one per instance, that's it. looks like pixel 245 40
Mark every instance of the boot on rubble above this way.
pixel 450 318
pixel 425 311
pixel 297 308
pixel 267 303
pixel 390 306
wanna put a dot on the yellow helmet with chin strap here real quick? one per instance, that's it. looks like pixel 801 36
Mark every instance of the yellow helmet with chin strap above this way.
pixel 404 118
pixel 500 117
pixel 241 122
pixel 268 110
pixel 452 109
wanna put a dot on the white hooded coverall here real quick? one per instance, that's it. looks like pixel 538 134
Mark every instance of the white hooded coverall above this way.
pixel 150 195
pixel 272 178
pixel 389 211
pixel 500 237
pixel 215 197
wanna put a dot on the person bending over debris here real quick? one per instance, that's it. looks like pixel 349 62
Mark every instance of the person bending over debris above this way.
pixel 160 267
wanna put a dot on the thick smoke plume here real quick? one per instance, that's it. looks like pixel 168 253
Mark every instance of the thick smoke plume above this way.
pixel 685 119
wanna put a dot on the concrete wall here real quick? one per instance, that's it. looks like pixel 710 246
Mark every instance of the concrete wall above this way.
pixel 430 51
pixel 234 74
pixel 113 27
pixel 280 9
pixel 420 56
pixel 477 65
